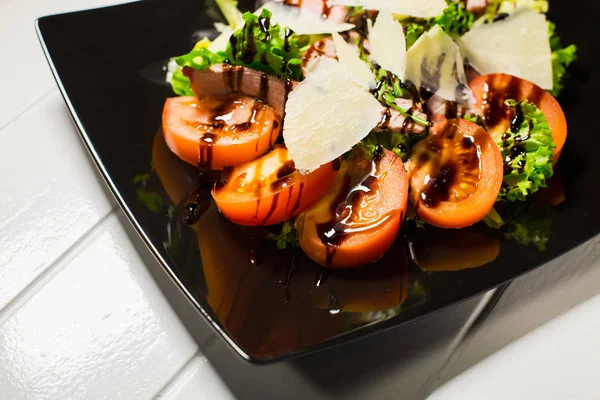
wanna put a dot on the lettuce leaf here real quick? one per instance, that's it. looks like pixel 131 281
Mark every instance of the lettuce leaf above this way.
pixel 257 44
pixel 455 21
pixel 562 57
pixel 527 153
pixel 267 48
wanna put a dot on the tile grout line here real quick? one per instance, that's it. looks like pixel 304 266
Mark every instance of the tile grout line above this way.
pixel 179 375
pixel 26 109
pixel 52 269
pixel 177 378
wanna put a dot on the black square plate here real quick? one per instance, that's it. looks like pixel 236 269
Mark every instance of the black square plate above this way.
pixel 109 65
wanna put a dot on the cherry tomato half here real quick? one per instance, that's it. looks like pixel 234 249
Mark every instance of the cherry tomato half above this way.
pixel 455 174
pixel 359 218
pixel 219 132
pixel 491 91
pixel 270 190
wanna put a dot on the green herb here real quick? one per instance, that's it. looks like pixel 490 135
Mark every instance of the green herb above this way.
pixel 493 219
pixel 141 179
pixel 287 237
pixel 562 57
pixel 389 86
pixel 455 21
pixel 529 224
pixel 399 143
pixel 151 199
pixel 475 119
pixel 527 153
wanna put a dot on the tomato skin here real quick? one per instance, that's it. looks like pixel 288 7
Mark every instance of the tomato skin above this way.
pixel 492 90
pixel 478 187
pixel 269 190
pixel 189 132
pixel 367 243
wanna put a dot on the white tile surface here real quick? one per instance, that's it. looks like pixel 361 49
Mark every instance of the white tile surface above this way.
pixel 197 380
pixel 557 361
pixel 51 193
pixel 99 329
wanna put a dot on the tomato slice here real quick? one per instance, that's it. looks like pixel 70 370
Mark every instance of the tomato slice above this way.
pixel 491 91
pixel 455 174
pixel 359 218
pixel 218 132
pixel 270 190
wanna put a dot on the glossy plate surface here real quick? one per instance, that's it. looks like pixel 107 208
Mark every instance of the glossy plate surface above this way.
pixel 109 64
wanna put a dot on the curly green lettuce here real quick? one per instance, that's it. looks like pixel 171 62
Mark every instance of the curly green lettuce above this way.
pixel 265 47
pixel 562 58
pixel 527 150
pixel 257 44
pixel 455 21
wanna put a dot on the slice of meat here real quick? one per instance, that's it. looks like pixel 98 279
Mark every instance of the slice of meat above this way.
pixel 437 106
pixel 477 6
pixel 224 79
pixel 321 48
pixel 393 120
pixel 336 13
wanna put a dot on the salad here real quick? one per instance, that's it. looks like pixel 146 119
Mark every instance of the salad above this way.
pixel 338 121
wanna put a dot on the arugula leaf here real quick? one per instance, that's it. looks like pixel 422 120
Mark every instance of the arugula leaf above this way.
pixel 527 152
pixel 562 57
pixel 287 237
pixel 398 143
pixel 389 86
pixel 475 119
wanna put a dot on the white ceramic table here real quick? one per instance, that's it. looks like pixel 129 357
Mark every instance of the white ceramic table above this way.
pixel 82 315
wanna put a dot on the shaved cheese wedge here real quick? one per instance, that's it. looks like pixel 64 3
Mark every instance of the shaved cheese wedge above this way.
pixel 434 62
pixel 351 62
pixel 388 44
pixel 301 21
pixel 327 114
pixel 517 45
pixel 412 8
